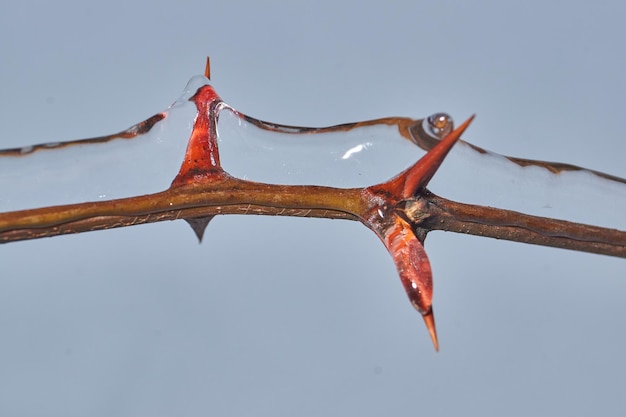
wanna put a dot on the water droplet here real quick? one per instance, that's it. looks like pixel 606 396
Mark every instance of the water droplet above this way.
pixel 439 125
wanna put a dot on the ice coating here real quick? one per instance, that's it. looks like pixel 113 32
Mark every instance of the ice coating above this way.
pixel 191 88
pixel 141 160
pixel 146 158
pixel 372 153
pixel 352 158
pixel 491 179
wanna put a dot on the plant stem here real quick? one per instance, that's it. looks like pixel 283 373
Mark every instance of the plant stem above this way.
pixel 233 196
pixel 432 212
pixel 228 196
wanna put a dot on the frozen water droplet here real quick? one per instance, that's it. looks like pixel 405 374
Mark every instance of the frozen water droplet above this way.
pixel 439 125
pixel 192 87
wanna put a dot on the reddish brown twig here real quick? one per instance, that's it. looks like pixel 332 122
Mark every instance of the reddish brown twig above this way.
pixel 401 211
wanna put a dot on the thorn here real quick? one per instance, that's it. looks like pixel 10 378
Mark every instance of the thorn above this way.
pixel 414 269
pixel 207 68
pixel 429 320
pixel 199 225
pixel 202 158
pixel 421 173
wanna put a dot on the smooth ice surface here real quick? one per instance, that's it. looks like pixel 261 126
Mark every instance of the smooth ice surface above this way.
pixel 118 168
pixel 356 158
pixel 492 180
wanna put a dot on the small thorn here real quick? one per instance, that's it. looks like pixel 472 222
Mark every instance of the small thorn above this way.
pixel 429 320
pixel 207 68
pixel 199 225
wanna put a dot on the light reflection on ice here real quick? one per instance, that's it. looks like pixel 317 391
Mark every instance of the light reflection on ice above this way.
pixel 356 149
pixel 359 157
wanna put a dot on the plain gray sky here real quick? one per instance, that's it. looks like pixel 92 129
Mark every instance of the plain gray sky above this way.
pixel 284 317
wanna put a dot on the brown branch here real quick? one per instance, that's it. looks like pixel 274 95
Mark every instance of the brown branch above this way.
pixel 432 212
pixel 233 196
pixel 401 211
pixel 228 196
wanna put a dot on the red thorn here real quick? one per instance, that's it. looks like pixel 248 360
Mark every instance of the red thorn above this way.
pixel 202 159
pixel 422 172
pixel 429 320
pixel 414 269
pixel 397 234
pixel 407 183
pixel 412 263
pixel 207 68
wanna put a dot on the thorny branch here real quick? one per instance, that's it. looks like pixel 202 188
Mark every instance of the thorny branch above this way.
pixel 229 196
pixel 234 196
pixel 400 211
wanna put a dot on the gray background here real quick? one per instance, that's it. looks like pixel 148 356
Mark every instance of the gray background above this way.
pixel 284 317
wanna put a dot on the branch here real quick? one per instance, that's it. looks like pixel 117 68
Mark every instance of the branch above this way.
pixel 432 212
pixel 208 198
pixel 400 211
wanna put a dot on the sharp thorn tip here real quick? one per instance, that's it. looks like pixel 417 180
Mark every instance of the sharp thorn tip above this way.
pixel 207 68
pixel 429 320
pixel 199 225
